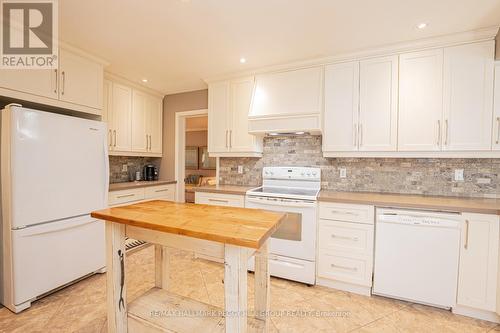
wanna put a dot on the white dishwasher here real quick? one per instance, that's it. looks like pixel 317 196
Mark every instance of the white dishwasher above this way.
pixel 416 256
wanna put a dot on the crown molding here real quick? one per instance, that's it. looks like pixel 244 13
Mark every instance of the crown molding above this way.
pixel 383 50
pixel 120 79
pixel 83 53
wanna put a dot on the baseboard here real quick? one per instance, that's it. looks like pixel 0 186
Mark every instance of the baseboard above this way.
pixel 344 286
pixel 476 313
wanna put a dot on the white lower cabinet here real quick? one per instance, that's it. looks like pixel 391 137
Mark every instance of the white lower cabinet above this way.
pixel 478 271
pixel 134 195
pixel 217 199
pixel 345 247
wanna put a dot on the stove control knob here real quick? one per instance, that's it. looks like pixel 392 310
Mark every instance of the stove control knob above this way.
pixel 302 174
pixel 314 173
pixel 308 174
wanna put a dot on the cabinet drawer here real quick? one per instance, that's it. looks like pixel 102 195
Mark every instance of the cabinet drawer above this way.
pixel 355 270
pixel 124 196
pixel 347 212
pixel 346 237
pixel 162 192
pixel 218 199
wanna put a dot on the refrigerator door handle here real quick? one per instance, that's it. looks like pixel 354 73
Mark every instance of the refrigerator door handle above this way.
pixel 55 226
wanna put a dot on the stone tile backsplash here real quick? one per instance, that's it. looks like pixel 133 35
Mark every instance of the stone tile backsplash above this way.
pixel 392 175
pixel 116 175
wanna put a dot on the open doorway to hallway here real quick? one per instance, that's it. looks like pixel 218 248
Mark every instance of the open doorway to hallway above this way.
pixel 193 166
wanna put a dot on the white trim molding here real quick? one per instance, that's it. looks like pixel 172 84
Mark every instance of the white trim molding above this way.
pixel 458 38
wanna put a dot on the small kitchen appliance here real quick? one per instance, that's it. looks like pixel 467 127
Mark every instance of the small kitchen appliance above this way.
pixel 150 172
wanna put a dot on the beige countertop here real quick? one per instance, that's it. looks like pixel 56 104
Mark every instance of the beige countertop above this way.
pixel 224 189
pixel 452 204
pixel 138 184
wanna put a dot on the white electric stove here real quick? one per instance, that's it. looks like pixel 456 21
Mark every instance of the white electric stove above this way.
pixel 293 190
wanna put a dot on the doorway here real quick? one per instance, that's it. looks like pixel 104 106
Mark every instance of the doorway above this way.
pixel 193 166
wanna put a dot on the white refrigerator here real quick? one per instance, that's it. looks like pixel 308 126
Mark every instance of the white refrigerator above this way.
pixel 54 172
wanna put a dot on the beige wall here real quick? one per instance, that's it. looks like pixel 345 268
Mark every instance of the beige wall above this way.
pixel 193 100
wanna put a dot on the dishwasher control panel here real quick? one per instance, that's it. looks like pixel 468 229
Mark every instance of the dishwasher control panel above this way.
pixel 419 218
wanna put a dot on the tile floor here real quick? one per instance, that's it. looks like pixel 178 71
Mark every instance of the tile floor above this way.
pixel 81 307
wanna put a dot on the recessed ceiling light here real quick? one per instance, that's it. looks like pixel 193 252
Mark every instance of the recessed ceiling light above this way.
pixel 243 60
pixel 422 25
pixel 144 80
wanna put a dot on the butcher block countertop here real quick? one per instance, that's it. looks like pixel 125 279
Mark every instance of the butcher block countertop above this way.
pixel 229 225
pixel 452 204
pixel 224 189
pixel 138 184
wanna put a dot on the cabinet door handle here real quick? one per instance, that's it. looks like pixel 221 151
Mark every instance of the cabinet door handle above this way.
pixel 147 145
pixel 446 132
pixel 439 133
pixel 57 81
pixel 230 138
pixel 355 135
pixel 498 130
pixel 110 138
pixel 125 195
pixel 63 79
pixel 354 269
pixel 345 237
pixel 150 144
pixel 466 243
pixel 218 200
pixel 344 212
pixel 226 138
pixel 114 138
pixel 164 190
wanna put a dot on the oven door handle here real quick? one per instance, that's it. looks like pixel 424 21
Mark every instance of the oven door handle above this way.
pixel 283 203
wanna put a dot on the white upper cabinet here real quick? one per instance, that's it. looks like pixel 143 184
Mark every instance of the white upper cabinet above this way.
pixel 140 138
pixel 121 115
pixel 80 80
pixel 496 112
pixel 228 107
pixel 468 96
pixel 218 117
pixel 478 269
pixel 77 84
pixel 240 99
pixel 135 120
pixel 361 106
pixel 40 82
pixel 154 122
pixel 287 101
pixel 378 109
pixel 340 124
pixel 420 100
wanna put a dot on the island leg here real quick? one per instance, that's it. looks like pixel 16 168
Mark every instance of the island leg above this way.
pixel 235 288
pixel 161 267
pixel 115 278
pixel 262 284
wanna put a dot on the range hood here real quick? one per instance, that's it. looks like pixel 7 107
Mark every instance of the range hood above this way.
pixel 287 102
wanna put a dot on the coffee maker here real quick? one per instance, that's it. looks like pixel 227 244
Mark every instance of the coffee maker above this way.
pixel 150 172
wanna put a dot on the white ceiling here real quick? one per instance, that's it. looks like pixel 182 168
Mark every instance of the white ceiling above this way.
pixel 176 43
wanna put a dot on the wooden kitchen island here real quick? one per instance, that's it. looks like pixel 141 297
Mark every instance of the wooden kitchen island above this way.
pixel 231 234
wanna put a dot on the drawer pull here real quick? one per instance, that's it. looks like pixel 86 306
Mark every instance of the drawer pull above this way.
pixel 164 190
pixel 126 195
pixel 218 200
pixel 345 237
pixel 354 269
pixel 344 212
